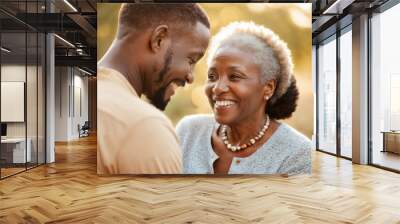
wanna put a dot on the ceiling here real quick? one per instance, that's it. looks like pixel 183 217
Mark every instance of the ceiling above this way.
pixel 330 15
pixel 74 21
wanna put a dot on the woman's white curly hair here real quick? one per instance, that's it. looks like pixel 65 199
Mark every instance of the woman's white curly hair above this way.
pixel 270 52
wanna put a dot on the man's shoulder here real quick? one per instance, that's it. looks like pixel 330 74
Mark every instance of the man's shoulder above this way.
pixel 128 109
pixel 131 110
pixel 118 101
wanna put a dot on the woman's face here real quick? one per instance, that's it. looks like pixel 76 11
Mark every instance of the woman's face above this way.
pixel 234 87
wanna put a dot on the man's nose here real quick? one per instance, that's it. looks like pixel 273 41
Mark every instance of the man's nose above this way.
pixel 189 77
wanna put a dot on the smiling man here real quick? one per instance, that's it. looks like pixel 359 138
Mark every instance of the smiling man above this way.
pixel 154 52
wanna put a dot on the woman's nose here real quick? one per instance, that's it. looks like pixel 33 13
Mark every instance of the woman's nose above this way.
pixel 220 87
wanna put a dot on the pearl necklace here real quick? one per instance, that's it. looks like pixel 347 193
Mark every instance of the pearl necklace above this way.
pixel 252 141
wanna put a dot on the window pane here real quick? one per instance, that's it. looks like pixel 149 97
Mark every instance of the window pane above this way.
pixel 14 153
pixel 386 89
pixel 32 88
pixel 41 98
pixel 327 96
pixel 346 94
pixel 31 97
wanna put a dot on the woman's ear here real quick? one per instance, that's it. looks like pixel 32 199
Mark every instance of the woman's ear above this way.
pixel 159 38
pixel 269 88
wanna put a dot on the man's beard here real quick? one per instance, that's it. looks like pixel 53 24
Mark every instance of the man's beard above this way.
pixel 158 98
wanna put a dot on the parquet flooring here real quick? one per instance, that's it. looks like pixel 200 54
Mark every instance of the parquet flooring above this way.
pixel 9 171
pixel 387 159
pixel 69 191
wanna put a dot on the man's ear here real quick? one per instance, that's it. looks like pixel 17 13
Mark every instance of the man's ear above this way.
pixel 159 38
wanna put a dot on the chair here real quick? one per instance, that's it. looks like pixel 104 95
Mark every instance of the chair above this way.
pixel 84 130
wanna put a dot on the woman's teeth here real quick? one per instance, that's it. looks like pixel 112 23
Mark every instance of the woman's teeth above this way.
pixel 223 103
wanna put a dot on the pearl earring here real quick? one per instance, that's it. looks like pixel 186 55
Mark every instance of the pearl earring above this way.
pixel 266 97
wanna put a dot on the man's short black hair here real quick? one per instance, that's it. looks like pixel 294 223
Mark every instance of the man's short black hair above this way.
pixel 139 16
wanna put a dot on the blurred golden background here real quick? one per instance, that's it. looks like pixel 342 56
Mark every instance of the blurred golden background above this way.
pixel 291 21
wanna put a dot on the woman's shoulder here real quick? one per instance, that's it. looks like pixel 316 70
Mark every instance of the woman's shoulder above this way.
pixel 195 121
pixel 293 138
pixel 193 133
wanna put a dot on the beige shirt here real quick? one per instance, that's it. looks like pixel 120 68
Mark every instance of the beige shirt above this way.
pixel 133 137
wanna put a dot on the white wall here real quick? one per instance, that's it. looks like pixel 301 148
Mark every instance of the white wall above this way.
pixel 12 73
pixel 71 94
pixel 62 80
pixel 33 127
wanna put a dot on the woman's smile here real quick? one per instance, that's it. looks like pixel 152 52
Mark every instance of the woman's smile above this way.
pixel 223 104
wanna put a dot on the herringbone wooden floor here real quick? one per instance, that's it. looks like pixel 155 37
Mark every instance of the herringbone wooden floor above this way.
pixel 69 191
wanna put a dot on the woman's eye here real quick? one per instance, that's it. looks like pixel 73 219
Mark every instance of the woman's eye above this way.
pixel 234 77
pixel 211 77
pixel 191 61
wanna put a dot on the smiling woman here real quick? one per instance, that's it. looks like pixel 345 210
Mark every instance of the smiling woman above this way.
pixel 250 86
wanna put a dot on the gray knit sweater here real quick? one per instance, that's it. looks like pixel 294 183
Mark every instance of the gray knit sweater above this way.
pixel 286 152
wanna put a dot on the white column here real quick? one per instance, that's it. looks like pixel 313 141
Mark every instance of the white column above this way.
pixel 360 90
pixel 50 92
pixel 50 99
